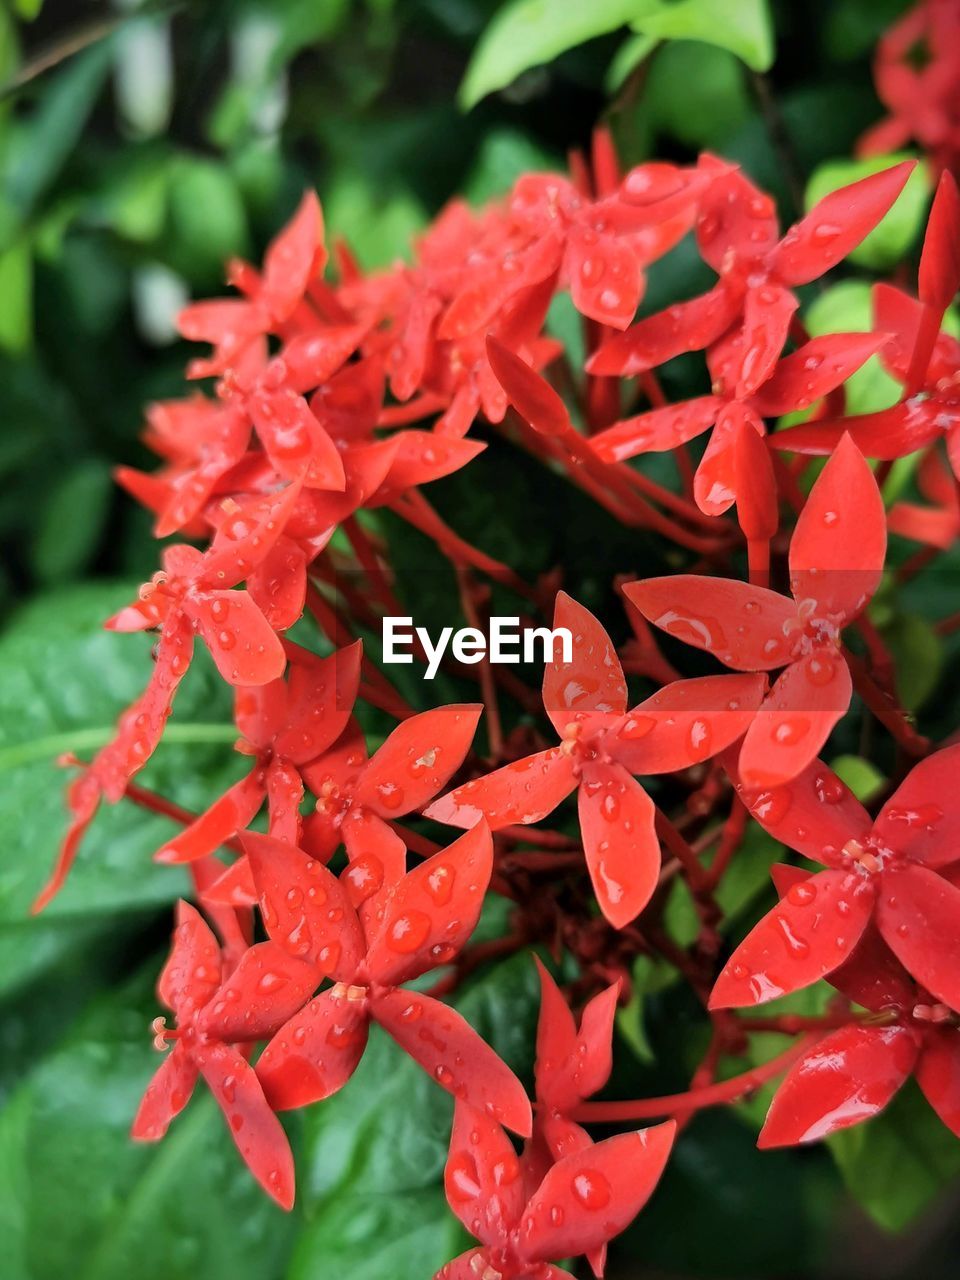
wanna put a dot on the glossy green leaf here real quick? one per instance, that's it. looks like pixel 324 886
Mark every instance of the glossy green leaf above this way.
pixel 72 520
pixel 207 215
pixel 743 26
pixel 898 1164
pixel 528 33
pixel 16 297
pixel 91 1204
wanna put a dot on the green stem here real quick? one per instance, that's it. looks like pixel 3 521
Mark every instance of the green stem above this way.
pixel 79 740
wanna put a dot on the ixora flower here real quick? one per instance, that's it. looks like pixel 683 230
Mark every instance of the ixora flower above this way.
pixel 796 382
pixel 836 562
pixel 916 75
pixel 888 869
pixel 572 1063
pixel 583 1201
pixel 602 746
pixel 739 237
pixel 917 354
pixel 372 930
pixel 189 982
pixel 851 1074
pixel 190 594
pixel 293 262
pixel 284 725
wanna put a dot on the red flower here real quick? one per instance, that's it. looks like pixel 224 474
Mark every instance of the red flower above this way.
pixel 796 382
pixel 371 931
pixel 938 524
pixel 585 1199
pixel 571 1065
pixel 603 745
pixel 836 561
pixel 292 262
pixel 188 985
pixel 851 1074
pixel 884 870
pixel 738 236
pixel 915 72
pixel 284 725
pixel 188 595
pixel 926 361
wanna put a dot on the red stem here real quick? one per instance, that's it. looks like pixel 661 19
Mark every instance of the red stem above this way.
pixel 712 1095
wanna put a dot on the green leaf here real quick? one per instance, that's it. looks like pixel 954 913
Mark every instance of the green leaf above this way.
pixel 207 216
pixel 504 155
pixel 378 226
pixel 71 522
pixel 42 144
pixel 919 656
pixel 847 308
pixel 93 1205
pixel 744 26
pixel 16 297
pixel 379 1237
pixel 629 56
pixel 528 33
pixel 63 682
pixel 897 1164
pixel 863 778
pixel 894 236
pixel 696 93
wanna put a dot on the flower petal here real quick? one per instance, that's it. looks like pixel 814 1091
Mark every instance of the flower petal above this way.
pixel 814 370
pixel 837 223
pixel 802 939
pixel 921 820
pixel 840 540
pixel 521 792
pixel 619 841
pixel 814 813
pixel 795 719
pixel 267 987
pixel 256 1131
pixel 418 758
pixel 242 643
pixel 482 1177
pixel 686 722
pixel 315 1053
pixel 530 394
pixel 652 341
pixel 232 812
pixel 846 1078
pixel 165 1097
pixel 433 910
pixel 598 1192
pixel 320 701
pixel 657 429
pixel 748 628
pixel 593 681
pixel 192 972
pixel 304 906
pixel 442 1042
pixel 938 1074
pixel 918 913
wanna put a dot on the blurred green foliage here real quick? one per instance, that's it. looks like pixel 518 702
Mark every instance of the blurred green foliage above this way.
pixel 140 146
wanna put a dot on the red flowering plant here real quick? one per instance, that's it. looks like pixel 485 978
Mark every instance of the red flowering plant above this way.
pixel 616 813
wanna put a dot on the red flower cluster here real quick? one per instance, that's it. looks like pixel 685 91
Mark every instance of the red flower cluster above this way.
pixel 915 72
pixel 319 382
